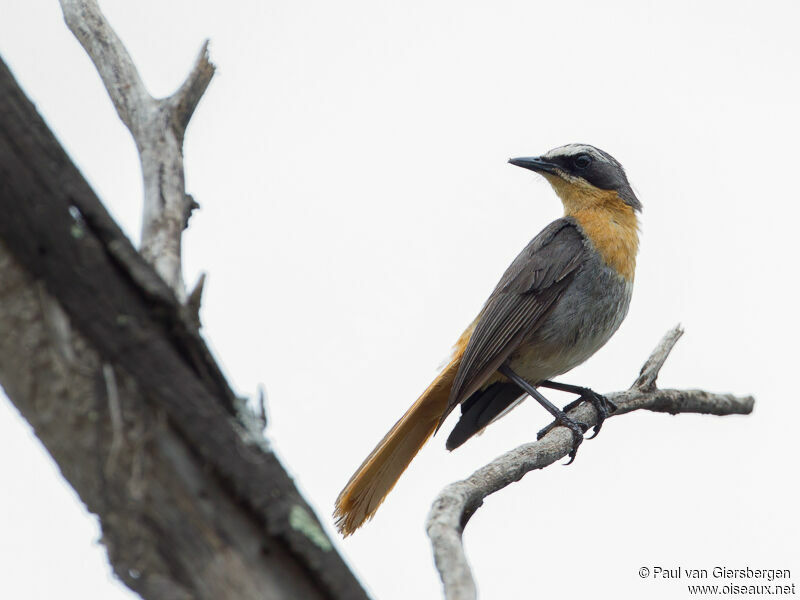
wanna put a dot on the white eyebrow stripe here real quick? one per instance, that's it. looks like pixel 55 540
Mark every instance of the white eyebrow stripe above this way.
pixel 573 149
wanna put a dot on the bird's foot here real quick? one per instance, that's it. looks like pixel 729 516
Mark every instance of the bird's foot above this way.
pixel 602 405
pixel 577 428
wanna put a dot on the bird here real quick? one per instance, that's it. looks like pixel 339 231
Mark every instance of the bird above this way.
pixel 559 301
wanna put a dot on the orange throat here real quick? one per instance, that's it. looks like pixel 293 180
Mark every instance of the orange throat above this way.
pixel 615 236
pixel 609 223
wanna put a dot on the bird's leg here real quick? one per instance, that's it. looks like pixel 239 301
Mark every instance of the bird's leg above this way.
pixel 561 418
pixel 602 405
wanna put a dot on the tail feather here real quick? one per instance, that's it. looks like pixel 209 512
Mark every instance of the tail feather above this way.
pixel 482 408
pixel 378 474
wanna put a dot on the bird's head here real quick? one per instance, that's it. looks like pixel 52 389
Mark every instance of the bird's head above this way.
pixel 583 177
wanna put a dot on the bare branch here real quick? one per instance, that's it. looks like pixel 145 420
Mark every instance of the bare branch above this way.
pixel 158 128
pixel 113 63
pixel 121 389
pixel 652 366
pixel 185 100
pixel 457 502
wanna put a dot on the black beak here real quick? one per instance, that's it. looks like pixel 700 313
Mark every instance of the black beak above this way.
pixel 535 163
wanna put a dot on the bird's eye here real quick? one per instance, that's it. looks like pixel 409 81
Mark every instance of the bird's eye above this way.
pixel 582 161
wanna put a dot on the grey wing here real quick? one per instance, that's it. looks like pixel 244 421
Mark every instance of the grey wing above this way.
pixel 525 293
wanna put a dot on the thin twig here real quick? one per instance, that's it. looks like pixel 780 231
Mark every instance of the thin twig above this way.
pixel 157 126
pixel 185 100
pixel 457 502
pixel 194 300
pixel 652 366
pixel 262 406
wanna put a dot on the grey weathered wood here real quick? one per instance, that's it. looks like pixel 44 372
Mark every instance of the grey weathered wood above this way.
pixel 101 357
pixel 456 503
pixel 157 126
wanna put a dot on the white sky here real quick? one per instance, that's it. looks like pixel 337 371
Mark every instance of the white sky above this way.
pixel 357 208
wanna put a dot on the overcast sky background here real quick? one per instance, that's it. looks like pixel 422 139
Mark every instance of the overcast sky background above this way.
pixel 357 209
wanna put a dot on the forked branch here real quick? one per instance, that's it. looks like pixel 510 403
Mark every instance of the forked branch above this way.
pixel 456 503
pixel 157 126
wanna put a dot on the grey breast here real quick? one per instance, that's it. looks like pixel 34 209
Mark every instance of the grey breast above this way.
pixel 583 319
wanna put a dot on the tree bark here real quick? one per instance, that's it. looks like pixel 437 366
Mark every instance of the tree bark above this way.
pixel 102 359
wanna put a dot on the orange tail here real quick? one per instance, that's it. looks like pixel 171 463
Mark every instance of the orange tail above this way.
pixel 377 475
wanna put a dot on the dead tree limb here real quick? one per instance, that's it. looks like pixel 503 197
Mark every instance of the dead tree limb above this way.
pixel 457 502
pixel 157 125
pixel 102 359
